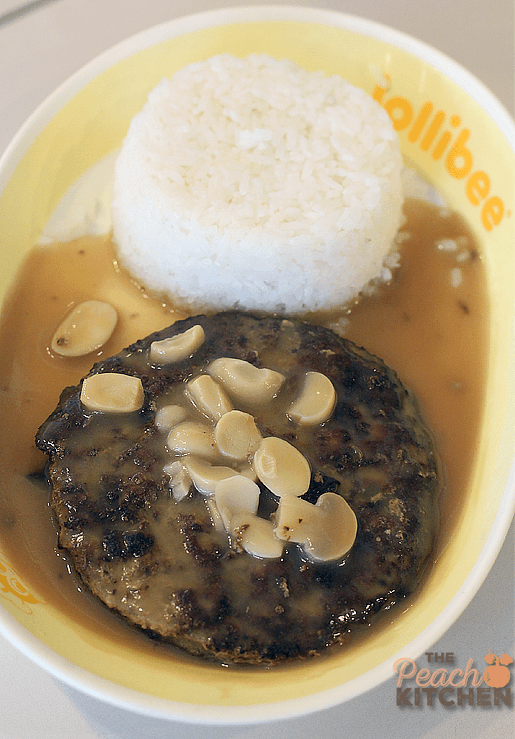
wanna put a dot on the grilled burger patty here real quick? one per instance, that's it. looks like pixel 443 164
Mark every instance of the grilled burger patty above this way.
pixel 166 567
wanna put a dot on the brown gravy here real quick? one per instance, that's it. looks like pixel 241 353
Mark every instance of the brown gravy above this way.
pixel 432 332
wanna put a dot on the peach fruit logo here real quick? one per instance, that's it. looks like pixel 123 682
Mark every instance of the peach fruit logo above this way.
pixel 497 674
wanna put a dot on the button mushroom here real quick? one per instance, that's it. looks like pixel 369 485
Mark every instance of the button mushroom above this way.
pixel 169 416
pixel 208 397
pixel 191 437
pixel 326 530
pixel 294 518
pixel 316 401
pixel 180 481
pixel 247 470
pixel 237 435
pixel 85 329
pixel 214 514
pixel 236 495
pixel 176 348
pixel 256 536
pixel 281 467
pixel 245 383
pixel 206 476
pixel 112 392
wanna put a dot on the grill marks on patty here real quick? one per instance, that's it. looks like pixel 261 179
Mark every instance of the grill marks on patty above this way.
pixel 166 568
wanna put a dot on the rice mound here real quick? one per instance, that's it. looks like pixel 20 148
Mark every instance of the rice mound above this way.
pixel 253 183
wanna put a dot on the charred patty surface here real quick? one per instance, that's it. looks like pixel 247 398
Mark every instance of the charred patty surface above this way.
pixel 164 565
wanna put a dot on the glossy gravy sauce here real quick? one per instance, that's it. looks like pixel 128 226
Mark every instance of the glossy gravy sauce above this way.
pixel 430 325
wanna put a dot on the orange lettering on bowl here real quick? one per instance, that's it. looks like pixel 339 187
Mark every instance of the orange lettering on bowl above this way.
pixel 443 138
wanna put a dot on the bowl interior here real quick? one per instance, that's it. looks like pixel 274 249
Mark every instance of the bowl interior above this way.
pixel 470 161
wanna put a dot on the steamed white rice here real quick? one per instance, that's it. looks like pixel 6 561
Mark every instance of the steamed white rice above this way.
pixel 256 184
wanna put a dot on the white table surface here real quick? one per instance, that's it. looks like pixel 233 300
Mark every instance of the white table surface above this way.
pixel 41 44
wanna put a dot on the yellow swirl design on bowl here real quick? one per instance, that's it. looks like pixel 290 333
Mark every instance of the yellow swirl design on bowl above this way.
pixel 13 588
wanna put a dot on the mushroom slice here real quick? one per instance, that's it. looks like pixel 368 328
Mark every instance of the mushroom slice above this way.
pixel 316 401
pixel 206 476
pixel 169 416
pixel 256 536
pixel 85 329
pixel 237 435
pixel 180 481
pixel 326 530
pixel 236 495
pixel 294 519
pixel 191 437
pixel 112 392
pixel 281 467
pixel 244 382
pixel 247 470
pixel 214 514
pixel 336 535
pixel 208 397
pixel 176 348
